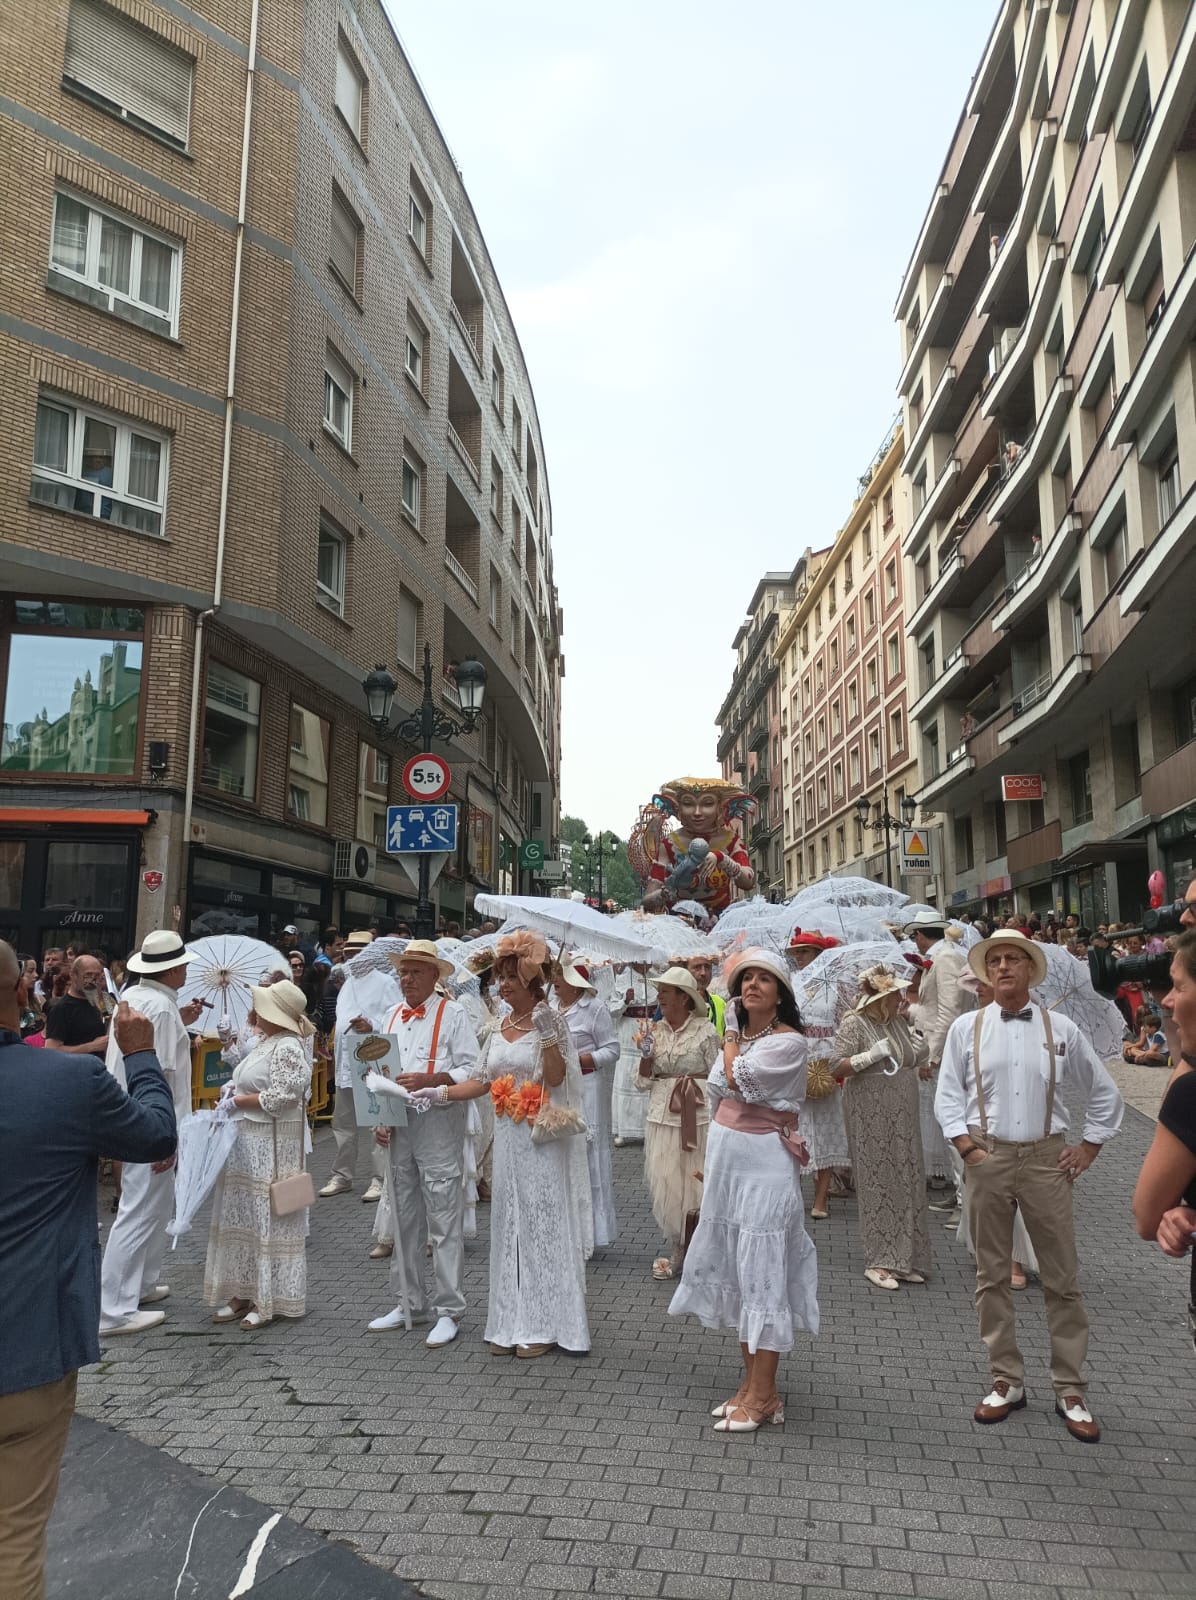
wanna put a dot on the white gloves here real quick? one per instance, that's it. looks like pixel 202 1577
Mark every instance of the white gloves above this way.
pixel 647 1044
pixel 549 1024
pixel 880 1051
pixel 731 1018
pixel 226 1032
pixel 422 1099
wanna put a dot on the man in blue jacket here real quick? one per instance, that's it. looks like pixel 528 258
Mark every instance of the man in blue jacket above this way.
pixel 61 1113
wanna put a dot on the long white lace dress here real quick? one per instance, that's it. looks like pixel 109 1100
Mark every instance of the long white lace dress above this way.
pixel 751 1265
pixel 252 1254
pixel 541 1226
pixel 628 1107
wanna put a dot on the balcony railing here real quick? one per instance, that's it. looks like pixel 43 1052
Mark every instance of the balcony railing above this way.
pixel 462 577
pixel 469 330
pixel 1033 692
pixel 462 449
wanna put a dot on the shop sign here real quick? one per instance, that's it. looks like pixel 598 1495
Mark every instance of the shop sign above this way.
pixel 916 853
pixel 531 855
pixel 995 886
pixel 81 919
pixel 152 880
pixel 1021 786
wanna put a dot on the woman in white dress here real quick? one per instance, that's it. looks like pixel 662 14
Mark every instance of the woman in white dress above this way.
pixel 631 1010
pixel 541 1225
pixel 256 1266
pixel 597 1048
pixel 822 1124
pixel 751 1265
pixel 676 1056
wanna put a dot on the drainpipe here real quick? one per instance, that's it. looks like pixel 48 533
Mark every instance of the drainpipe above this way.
pixel 226 463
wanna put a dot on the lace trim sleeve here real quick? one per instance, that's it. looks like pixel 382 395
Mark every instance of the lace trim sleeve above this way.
pixel 746 1081
pixel 290 1075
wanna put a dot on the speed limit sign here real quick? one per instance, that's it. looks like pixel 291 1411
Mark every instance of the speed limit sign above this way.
pixel 426 777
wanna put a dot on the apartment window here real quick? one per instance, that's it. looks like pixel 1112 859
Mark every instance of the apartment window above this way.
pixel 1168 470
pixel 869 611
pixel 831 602
pixel 516 432
pixel 1092 253
pixel 232 721
pixel 496 491
pixel 497 384
pixel 931 757
pixel 128 70
pixel 818 620
pixel 1079 773
pixel 513 638
pixel 837 777
pixel 373 785
pixel 822 733
pixel 826 852
pixel 871 679
pixel 896 731
pixel 806 695
pixel 874 750
pixel 419 215
pixel 345 243
pixel 834 655
pixel 1154 302
pixel 338 399
pixel 894 654
pixel 307 770
pixel 840 845
pixel 868 529
pixel 495 595
pixel 76 448
pixel 848 579
pixel 411 485
pixel 836 719
pixel 350 87
pixel 853 766
pixel 1116 554
pixel 416 353
pixel 809 746
pixel 891 580
pixel 853 701
pixel 1184 716
pixel 805 639
pixel 331 562
pixel 822 796
pixel 409 629
pixel 811 865
pixel 964 854
pixel 114 265
pixel 819 676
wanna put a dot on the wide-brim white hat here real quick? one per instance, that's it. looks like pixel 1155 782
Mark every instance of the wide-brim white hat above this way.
pixel 159 952
pixel 283 1004
pixel 1010 938
pixel 767 960
pixel 576 978
pixel 679 978
pixel 924 919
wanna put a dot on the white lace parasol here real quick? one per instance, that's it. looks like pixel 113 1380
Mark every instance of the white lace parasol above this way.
pixel 227 966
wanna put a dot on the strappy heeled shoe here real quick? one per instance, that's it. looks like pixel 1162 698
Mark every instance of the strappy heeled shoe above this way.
pixel 728 1405
pixel 746 1419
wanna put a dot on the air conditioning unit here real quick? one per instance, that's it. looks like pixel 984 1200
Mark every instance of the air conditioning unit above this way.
pixel 353 862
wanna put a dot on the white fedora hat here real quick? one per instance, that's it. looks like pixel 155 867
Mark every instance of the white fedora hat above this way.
pixel 159 952
pixel 284 1005
pixel 1008 939
pixel 577 977
pixel 680 978
pixel 924 919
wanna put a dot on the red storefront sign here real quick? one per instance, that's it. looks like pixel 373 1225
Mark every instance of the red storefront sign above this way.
pixel 1021 786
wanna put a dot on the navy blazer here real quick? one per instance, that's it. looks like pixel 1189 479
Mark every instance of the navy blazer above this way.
pixel 61 1113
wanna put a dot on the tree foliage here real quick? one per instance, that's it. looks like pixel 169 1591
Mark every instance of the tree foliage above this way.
pixel 619 882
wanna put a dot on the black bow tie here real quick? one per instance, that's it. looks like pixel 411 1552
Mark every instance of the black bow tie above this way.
pixel 1017 1016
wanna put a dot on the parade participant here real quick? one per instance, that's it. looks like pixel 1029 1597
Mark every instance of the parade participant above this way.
pixel 751 1265
pixel 999 1101
pixel 1165 1196
pixel 74 1024
pixel 940 1000
pixel 701 970
pixel 256 1266
pixel 137 1243
pixel 437 1049
pixel 597 1049
pixel 823 1127
pixel 630 1009
pixel 677 1054
pixel 365 1000
pixel 62 1114
pixel 878 1059
pixel 704 858
pixel 541 1226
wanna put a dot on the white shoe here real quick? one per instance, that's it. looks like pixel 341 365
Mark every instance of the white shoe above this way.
pixel 374 1193
pixel 394 1319
pixel 444 1332
pixel 334 1186
pixel 137 1323
pixel 160 1291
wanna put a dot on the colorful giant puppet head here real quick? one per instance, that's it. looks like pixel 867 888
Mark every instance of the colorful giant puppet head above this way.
pixel 703 858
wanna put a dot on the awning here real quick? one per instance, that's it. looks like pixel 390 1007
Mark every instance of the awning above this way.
pixel 23 816
pixel 1099 850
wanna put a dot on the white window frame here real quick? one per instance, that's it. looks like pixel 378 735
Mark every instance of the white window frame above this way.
pixel 96 35
pixel 406 597
pixel 413 354
pixel 71 480
pixel 1170 489
pixel 495 602
pixel 332 596
pixel 338 379
pixel 874 750
pixel 417 225
pixel 410 507
pixel 349 68
pixel 90 276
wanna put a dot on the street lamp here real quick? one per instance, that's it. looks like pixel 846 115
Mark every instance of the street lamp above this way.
pixel 426 723
pixel 884 821
pixel 594 849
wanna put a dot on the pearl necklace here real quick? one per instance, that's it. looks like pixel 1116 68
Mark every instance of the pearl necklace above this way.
pixel 750 1038
pixel 514 1022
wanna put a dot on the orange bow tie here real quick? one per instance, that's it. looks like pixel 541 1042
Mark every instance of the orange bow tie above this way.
pixel 412 1015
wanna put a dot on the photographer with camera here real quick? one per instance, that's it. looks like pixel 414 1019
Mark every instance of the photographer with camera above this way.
pixel 1149 973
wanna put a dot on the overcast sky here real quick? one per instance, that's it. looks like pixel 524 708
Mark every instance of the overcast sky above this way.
pixel 700 214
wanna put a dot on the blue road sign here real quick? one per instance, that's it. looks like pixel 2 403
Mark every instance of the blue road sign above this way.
pixel 420 830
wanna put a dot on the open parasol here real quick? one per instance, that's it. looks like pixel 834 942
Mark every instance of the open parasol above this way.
pixel 665 936
pixel 1068 991
pixel 570 922
pixel 828 988
pixel 205 1139
pixel 226 967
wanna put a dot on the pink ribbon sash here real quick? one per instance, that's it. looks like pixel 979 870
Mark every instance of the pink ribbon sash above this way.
pixel 763 1119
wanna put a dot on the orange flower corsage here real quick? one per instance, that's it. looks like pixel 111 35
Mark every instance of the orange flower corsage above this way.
pixel 526 1103
pixel 502 1092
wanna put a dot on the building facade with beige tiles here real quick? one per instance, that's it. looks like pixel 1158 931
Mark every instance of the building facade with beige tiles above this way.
pixel 267 424
pixel 1047 317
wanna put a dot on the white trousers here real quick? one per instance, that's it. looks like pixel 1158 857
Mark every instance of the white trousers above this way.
pixel 427 1188
pixel 348 1138
pixel 137 1242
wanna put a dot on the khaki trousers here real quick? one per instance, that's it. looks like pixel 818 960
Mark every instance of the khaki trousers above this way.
pixel 347 1136
pixel 1027 1176
pixel 33 1427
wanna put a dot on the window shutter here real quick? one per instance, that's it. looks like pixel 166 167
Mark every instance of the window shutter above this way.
pixel 144 76
pixel 345 231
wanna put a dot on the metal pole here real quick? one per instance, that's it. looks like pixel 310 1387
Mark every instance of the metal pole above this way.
pixel 425 915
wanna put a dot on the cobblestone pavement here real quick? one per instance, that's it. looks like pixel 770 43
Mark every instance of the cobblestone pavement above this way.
pixel 476 1476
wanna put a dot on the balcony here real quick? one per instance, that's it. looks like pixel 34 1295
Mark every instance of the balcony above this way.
pixel 1018 358
pixel 1036 579
pixel 1033 457
pixel 465 302
pixel 1171 783
pixel 950 568
pixel 1166 345
pixel 1124 43
pixel 1036 849
pixel 761 780
pixel 464 420
pixel 960 763
pixel 1012 249
pixel 1046 697
pixel 758 737
pixel 953 672
pixel 1162 560
pixel 983 641
pixel 462 577
pixel 934 504
pixel 931 412
pixel 926 327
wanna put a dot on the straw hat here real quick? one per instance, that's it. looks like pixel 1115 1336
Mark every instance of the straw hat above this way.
pixel 680 978
pixel 423 950
pixel 876 983
pixel 577 977
pixel 359 939
pixel 1008 938
pixel 283 1004
pixel 766 961
pixel 159 952
pixel 924 919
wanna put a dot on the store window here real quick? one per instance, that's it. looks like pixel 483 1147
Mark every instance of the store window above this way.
pixel 232 721
pixel 85 876
pixel 72 688
pixel 307 771
pixel 373 782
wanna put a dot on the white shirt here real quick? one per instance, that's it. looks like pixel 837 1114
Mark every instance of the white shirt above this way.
pixel 172 1043
pixel 372 996
pixel 456 1048
pixel 1016 1071
pixel 592 1030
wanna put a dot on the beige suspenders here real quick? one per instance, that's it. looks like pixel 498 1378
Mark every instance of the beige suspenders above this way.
pixel 980 1105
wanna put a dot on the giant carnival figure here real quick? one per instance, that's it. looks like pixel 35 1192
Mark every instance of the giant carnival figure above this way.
pixel 701 859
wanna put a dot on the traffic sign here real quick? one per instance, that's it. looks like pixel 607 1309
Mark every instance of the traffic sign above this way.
pixel 531 855
pixel 421 830
pixel 916 861
pixel 426 777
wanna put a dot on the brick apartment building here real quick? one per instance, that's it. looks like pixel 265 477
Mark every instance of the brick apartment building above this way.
pixel 267 424
pixel 1047 319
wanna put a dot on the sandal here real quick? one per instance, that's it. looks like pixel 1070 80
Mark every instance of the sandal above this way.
pixel 255 1320
pixel 910 1277
pixel 881 1278
pixel 233 1311
pixel 841 1188
pixel 728 1406
pixel 662 1268
pixel 745 1418
pixel 819 1216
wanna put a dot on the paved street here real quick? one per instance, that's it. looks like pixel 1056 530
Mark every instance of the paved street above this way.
pixel 489 1479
